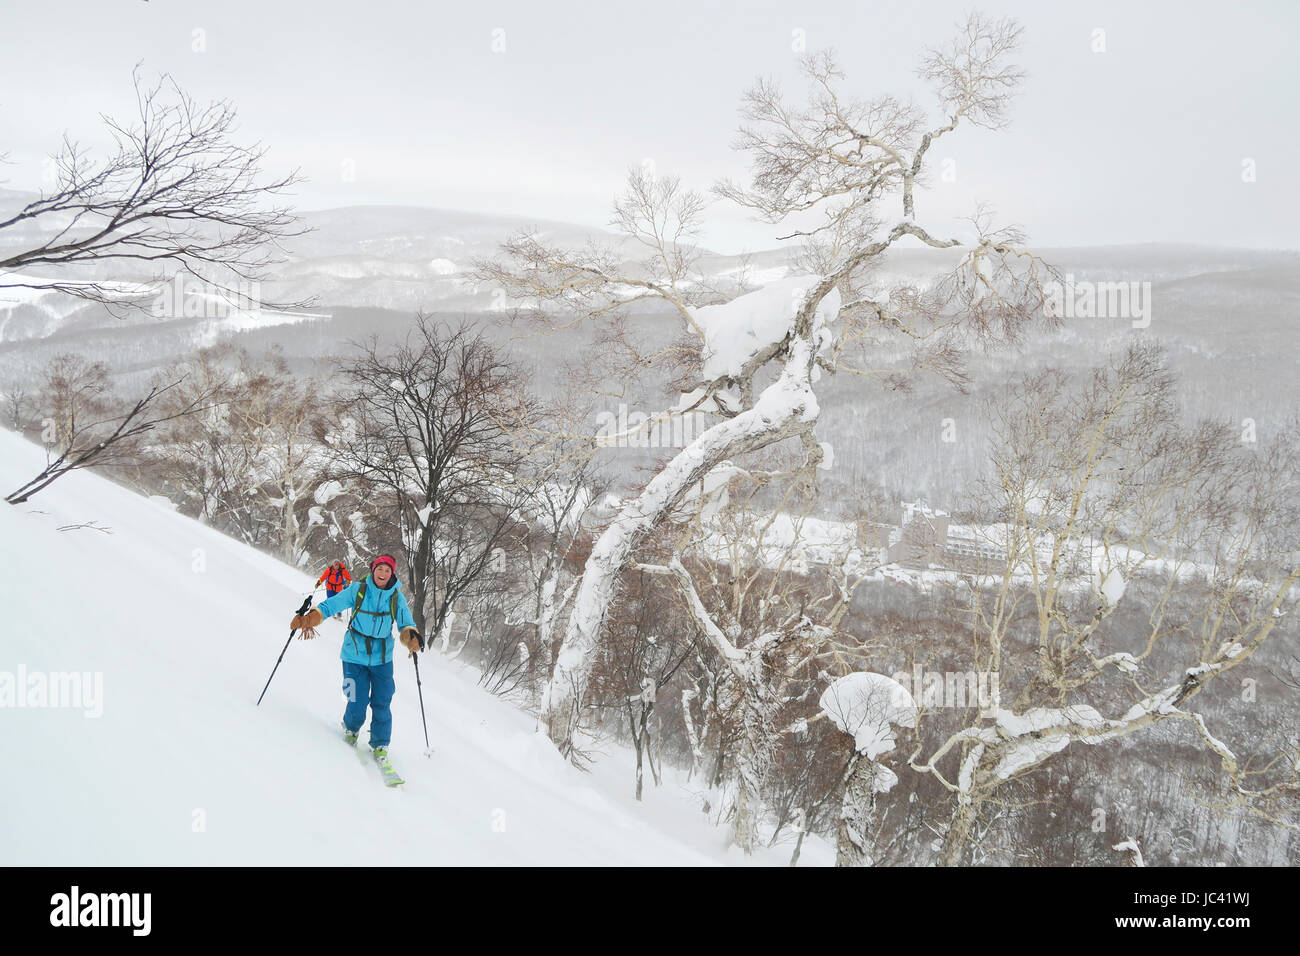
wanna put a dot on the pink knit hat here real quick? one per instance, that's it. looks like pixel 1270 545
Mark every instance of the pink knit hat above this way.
pixel 385 559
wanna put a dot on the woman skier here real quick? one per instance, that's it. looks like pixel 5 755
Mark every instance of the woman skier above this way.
pixel 377 604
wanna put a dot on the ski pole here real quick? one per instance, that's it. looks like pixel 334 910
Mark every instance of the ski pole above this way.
pixel 419 690
pixel 306 606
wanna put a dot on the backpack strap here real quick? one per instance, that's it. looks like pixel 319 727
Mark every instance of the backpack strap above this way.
pixel 361 596
pixel 356 609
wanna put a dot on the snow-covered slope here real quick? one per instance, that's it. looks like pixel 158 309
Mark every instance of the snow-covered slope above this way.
pixel 180 767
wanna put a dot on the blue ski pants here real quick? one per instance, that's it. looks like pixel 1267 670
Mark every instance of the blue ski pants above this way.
pixel 364 685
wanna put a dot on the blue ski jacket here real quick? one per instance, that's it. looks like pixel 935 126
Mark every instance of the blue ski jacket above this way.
pixel 369 638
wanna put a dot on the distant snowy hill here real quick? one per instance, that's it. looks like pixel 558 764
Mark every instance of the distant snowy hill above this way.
pixel 399 257
pixel 1228 318
pixel 177 628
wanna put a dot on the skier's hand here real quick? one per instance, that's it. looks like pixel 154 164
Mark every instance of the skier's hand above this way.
pixel 306 623
pixel 412 640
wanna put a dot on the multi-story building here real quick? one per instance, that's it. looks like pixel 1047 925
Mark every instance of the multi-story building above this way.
pixel 926 537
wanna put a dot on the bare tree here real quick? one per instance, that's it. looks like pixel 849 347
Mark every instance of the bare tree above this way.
pixel 647 647
pixel 1107 500
pixel 73 390
pixel 177 193
pixel 434 441
pixel 836 159
pixel 769 615
pixel 106 440
pixel 15 404
pixel 566 485
pixel 867 706
pixel 249 464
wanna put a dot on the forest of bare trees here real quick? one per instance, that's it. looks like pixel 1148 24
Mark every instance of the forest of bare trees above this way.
pixel 1138 560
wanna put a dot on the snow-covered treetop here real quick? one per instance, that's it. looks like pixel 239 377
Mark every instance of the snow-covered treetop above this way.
pixel 865 705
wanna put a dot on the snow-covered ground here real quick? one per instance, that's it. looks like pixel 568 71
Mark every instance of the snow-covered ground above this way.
pixel 177 627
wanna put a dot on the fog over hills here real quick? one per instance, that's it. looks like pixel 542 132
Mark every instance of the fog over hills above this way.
pixel 1228 317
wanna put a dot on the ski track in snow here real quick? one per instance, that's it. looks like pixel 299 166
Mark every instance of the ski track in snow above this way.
pixel 185 625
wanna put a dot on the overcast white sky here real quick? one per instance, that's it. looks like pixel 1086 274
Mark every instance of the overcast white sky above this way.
pixel 1143 142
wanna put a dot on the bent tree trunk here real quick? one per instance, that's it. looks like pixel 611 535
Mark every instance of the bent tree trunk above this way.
pixel 786 408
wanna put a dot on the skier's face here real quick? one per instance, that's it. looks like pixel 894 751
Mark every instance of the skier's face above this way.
pixel 382 575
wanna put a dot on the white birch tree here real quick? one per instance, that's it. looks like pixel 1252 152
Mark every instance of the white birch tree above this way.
pixel 1110 497
pixel 842 175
